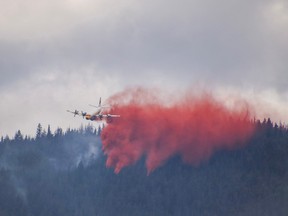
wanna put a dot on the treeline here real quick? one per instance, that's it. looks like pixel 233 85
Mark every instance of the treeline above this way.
pixel 64 173
pixel 41 134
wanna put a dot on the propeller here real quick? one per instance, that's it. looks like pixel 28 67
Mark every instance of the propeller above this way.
pixel 83 114
pixel 76 112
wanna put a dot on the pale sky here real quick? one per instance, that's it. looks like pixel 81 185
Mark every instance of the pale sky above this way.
pixel 59 55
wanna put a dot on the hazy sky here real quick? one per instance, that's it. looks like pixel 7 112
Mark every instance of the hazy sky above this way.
pixel 58 55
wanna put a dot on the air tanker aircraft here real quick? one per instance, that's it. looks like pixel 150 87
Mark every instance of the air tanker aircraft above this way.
pixel 97 115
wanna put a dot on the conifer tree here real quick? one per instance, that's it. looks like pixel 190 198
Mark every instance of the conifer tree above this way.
pixel 18 136
pixel 49 134
pixel 39 131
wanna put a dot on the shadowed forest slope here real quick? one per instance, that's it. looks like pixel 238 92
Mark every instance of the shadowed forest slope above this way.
pixel 64 173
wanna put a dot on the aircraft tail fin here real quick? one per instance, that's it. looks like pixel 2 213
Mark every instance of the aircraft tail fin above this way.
pixel 99 102
pixel 100 105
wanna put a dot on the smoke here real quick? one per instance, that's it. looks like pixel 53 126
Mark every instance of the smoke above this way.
pixel 76 149
pixel 191 126
pixel 23 161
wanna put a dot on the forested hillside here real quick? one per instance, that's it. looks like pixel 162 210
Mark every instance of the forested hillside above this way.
pixel 63 173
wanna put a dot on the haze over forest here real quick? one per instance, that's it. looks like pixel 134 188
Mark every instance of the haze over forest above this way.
pixel 64 173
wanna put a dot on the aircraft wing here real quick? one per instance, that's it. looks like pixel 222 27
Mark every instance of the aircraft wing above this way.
pixel 76 112
pixel 109 115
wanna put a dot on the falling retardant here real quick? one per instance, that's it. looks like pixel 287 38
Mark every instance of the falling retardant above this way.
pixel 193 127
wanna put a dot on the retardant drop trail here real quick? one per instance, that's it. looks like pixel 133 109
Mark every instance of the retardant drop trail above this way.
pixel 192 127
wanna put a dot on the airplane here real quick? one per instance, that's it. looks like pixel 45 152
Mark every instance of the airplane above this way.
pixel 97 115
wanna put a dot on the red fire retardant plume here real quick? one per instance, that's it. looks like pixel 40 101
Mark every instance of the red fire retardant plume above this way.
pixel 193 127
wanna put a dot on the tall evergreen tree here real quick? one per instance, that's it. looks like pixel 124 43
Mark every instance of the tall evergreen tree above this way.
pixel 39 131
pixel 18 136
pixel 49 133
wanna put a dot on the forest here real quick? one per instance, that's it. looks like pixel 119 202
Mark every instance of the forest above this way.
pixel 63 173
